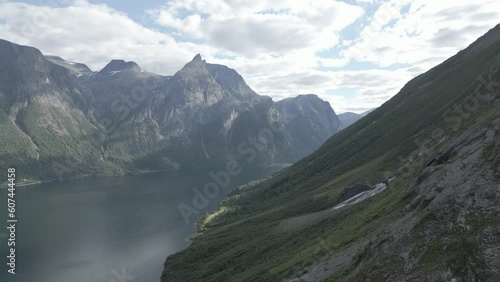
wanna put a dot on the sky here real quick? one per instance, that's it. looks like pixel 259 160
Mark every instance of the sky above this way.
pixel 356 54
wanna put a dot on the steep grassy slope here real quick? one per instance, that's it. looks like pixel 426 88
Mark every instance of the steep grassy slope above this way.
pixel 282 227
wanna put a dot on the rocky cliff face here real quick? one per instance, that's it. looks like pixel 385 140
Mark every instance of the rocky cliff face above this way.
pixel 46 113
pixel 207 114
pixel 78 69
pixel 451 227
pixel 124 118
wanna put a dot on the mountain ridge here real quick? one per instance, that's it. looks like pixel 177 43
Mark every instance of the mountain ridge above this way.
pixel 73 122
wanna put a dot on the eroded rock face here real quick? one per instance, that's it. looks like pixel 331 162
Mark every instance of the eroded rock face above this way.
pixel 124 118
pixel 451 228
pixel 449 231
pixel 204 114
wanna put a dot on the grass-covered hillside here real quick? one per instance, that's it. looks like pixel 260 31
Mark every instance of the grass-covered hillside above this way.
pixel 438 219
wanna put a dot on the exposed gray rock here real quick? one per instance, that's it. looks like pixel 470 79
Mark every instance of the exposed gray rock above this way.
pixel 124 118
pixel 462 213
pixel 78 69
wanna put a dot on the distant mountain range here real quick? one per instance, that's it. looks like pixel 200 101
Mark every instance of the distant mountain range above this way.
pixel 60 119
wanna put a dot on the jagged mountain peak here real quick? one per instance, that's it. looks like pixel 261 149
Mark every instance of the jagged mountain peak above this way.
pixel 199 72
pixel 197 58
pixel 195 117
pixel 197 63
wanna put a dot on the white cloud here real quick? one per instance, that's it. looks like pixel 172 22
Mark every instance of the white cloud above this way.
pixel 251 28
pixel 94 34
pixel 278 46
pixel 430 32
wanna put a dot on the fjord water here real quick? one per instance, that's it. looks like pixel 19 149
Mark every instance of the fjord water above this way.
pixel 107 228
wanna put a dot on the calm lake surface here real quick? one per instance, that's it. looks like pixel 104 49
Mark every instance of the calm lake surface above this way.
pixel 107 229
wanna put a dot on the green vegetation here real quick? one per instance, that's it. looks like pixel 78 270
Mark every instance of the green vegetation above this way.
pixel 269 230
pixel 64 144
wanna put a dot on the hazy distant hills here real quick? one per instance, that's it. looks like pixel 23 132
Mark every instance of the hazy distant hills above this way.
pixel 60 119
pixel 309 117
pixel 349 118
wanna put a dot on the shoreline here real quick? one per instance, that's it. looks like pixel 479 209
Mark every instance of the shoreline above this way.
pixel 4 185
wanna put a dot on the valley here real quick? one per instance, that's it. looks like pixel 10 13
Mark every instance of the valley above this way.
pixel 436 140
pixel 313 141
pixel 70 122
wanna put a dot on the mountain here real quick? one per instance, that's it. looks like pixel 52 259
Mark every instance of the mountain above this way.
pixel 202 115
pixel 349 118
pixel 313 122
pixel 367 112
pixel 69 121
pixel 78 69
pixel 425 170
pixel 45 116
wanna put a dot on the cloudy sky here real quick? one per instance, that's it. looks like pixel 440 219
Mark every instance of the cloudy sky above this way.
pixel 356 54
